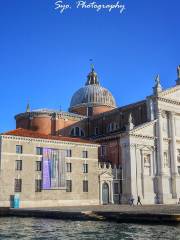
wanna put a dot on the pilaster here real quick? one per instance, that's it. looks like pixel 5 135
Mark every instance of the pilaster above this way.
pixel 160 149
pixel 173 154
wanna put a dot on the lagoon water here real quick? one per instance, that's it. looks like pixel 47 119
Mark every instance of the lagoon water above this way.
pixel 31 228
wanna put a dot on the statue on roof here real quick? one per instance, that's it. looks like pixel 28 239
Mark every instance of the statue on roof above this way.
pixel 178 71
pixel 28 108
pixel 157 88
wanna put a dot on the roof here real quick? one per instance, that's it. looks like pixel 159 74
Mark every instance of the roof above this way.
pixel 33 134
pixel 49 112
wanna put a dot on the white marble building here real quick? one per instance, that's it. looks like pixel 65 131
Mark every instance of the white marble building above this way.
pixel 151 151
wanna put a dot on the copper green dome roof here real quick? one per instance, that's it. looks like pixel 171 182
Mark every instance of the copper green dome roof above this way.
pixel 92 94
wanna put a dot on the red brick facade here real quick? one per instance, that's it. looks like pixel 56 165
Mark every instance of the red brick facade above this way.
pixel 102 128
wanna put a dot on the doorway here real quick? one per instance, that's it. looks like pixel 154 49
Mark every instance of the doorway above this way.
pixel 105 193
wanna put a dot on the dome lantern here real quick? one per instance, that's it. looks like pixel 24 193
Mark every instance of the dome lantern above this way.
pixel 92 77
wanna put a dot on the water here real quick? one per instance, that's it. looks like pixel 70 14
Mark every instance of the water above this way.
pixel 30 228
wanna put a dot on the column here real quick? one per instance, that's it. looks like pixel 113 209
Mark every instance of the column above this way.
pixel 173 154
pixel 173 145
pixel 160 158
pixel 112 192
pixel 160 143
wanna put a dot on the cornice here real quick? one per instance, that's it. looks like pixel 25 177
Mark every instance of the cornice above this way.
pixel 172 101
pixel 170 90
pixel 51 114
pixel 144 125
pixel 41 140
pixel 143 136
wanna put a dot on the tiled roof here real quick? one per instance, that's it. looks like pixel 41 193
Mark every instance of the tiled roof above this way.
pixel 33 134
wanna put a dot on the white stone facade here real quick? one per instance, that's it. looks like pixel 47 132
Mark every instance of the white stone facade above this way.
pixel 151 152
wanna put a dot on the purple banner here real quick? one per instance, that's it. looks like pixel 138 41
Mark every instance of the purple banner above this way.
pixel 53 168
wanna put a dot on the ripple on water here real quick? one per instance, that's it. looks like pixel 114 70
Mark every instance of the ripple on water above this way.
pixel 31 228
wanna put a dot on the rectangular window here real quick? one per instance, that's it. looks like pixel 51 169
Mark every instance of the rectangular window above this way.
pixel 96 131
pixel 68 153
pixel 85 168
pixel 85 186
pixel 103 151
pixel 116 188
pixel 18 166
pixel 18 185
pixel 39 151
pixel 38 165
pixel 68 167
pixel 68 185
pixel 38 185
pixel 85 154
pixel 19 149
pixel 179 170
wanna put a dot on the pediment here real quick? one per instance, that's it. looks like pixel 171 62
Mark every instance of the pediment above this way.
pixel 105 176
pixel 172 94
pixel 146 129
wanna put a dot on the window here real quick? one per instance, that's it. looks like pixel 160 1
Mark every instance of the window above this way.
pixel 72 132
pixel 18 185
pixel 116 188
pixel 19 149
pixel 113 126
pixel 38 165
pixel 96 131
pixel 85 154
pixel 85 168
pixel 68 153
pixel 103 151
pixel 38 185
pixel 179 170
pixel 68 167
pixel 85 186
pixel 18 165
pixel 77 132
pixel 68 185
pixel 39 151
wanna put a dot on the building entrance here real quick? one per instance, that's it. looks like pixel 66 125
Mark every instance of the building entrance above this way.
pixel 105 193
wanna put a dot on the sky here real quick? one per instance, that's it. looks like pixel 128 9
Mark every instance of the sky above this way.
pixel 44 55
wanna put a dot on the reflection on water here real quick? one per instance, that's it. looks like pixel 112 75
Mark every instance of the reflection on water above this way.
pixel 30 228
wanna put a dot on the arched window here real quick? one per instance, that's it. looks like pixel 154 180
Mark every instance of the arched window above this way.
pixel 113 126
pixel 77 132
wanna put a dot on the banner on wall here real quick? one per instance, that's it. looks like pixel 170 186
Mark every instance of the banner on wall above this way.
pixel 53 168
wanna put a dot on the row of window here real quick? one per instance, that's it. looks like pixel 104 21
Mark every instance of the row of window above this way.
pixel 18 166
pixel 38 185
pixel 69 167
pixel 39 151
pixel 69 186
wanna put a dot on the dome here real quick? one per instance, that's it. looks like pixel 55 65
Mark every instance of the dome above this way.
pixel 92 94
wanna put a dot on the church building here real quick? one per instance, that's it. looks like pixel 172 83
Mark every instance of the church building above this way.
pixel 133 150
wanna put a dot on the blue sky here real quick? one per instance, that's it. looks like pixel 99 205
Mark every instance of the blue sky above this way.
pixel 44 55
